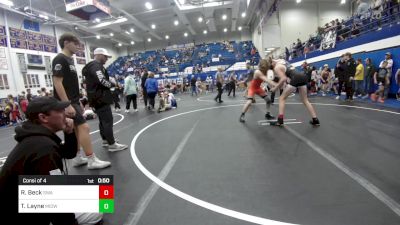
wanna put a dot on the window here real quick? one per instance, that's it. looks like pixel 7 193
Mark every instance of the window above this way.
pixel 31 80
pixel 49 80
pixel 4 82
pixel 35 59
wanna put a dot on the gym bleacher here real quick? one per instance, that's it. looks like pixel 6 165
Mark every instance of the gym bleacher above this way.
pixel 350 29
pixel 209 56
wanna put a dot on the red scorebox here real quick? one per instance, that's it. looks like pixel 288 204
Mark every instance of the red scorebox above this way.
pixel 106 192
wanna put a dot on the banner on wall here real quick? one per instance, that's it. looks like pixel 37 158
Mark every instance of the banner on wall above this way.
pixel 80 61
pixel 50 40
pixel 80 54
pixel 36 37
pixel 47 64
pixel 35 46
pixel 81 51
pixel 17 33
pixel 18 43
pixel 3 31
pixel 3 36
pixel 177 47
pixel 328 40
pixel 31 25
pixel 50 48
pixel 22 62
pixel 30 40
pixel 3 41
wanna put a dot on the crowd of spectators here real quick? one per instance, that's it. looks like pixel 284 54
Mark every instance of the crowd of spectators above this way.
pixel 367 17
pixel 354 77
pixel 198 57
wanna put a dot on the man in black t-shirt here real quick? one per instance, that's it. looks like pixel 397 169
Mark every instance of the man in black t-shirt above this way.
pixel 66 88
pixel 63 67
pixel 349 73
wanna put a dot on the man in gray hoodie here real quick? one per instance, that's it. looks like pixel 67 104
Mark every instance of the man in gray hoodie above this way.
pixel 130 92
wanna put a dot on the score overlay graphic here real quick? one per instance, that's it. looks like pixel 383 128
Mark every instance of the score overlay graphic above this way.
pixel 66 194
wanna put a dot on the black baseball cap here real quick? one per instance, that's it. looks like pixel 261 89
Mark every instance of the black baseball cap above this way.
pixel 45 104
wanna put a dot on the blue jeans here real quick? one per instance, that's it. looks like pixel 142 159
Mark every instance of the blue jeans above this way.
pixel 368 86
pixel 359 87
pixel 194 90
pixel 387 86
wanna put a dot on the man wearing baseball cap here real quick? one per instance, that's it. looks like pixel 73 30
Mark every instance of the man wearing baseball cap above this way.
pixel 389 60
pixel 98 87
pixel 39 151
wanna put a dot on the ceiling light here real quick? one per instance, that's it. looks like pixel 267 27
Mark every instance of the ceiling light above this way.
pixel 298 1
pixel 132 30
pixel 102 24
pixel 41 16
pixel 225 30
pixel 166 37
pixel 343 2
pixel 239 28
pixel 153 26
pixel 270 49
pixel 76 27
pixel 205 32
pixel 176 22
pixel 182 2
pixel 149 39
pixel 97 20
pixel 119 20
pixel 243 14
pixel 200 19
pixel 267 51
pixel 119 44
pixel 7 3
pixel 98 36
pixel 112 34
pixel 132 42
pixel 127 32
pixel 185 34
pixel 224 17
pixel 148 5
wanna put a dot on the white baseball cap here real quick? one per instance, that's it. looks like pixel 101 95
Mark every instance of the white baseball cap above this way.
pixel 101 51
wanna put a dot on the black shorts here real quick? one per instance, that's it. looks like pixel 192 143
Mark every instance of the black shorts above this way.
pixel 380 81
pixel 219 85
pixel 298 79
pixel 78 118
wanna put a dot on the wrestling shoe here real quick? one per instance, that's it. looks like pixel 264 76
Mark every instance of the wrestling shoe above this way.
pixel 315 122
pixel 268 116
